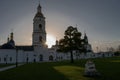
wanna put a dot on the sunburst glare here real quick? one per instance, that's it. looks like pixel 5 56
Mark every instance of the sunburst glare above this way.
pixel 50 40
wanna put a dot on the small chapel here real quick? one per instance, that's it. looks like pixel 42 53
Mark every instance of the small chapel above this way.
pixel 38 51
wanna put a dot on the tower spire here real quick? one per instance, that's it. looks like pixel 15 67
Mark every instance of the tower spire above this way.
pixel 11 35
pixel 39 11
pixel 56 42
pixel 39 7
pixel 8 39
pixel 85 37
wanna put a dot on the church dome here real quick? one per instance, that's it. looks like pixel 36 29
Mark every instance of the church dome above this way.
pixel 12 43
pixel 9 45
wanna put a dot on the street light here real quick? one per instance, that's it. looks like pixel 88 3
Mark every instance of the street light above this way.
pixel 6 58
pixel 16 57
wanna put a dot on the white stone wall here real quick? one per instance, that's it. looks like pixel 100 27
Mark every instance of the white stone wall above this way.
pixel 21 56
pixel 9 55
pixel 29 56
pixel 6 54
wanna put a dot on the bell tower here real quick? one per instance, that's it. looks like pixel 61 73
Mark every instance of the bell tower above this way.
pixel 39 32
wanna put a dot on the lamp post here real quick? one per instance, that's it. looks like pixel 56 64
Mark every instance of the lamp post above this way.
pixel 6 58
pixel 16 57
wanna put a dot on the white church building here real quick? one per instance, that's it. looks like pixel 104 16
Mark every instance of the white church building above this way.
pixel 38 51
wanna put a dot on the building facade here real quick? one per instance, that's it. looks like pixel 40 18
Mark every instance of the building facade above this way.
pixel 38 51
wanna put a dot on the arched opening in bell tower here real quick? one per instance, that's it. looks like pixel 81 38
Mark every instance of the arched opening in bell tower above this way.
pixel 40 38
pixel 40 26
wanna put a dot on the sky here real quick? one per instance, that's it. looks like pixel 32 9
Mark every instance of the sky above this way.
pixel 100 19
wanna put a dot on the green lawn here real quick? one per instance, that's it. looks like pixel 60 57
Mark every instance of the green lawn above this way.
pixel 5 65
pixel 108 67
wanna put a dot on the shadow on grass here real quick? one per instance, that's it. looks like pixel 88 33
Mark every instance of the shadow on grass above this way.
pixel 45 71
pixel 108 67
pixel 35 71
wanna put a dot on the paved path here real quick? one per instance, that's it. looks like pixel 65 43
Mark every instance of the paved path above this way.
pixel 9 67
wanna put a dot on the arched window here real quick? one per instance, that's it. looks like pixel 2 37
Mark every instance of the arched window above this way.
pixel 4 59
pixel 34 60
pixel 41 57
pixel 40 27
pixel 10 58
pixel 51 58
pixel 27 59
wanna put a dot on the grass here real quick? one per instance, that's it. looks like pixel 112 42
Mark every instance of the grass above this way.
pixel 108 67
pixel 5 65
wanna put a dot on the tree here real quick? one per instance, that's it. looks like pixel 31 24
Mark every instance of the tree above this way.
pixel 70 42
pixel 119 48
pixel 117 52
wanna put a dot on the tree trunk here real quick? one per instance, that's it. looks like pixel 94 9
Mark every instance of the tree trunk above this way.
pixel 71 55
